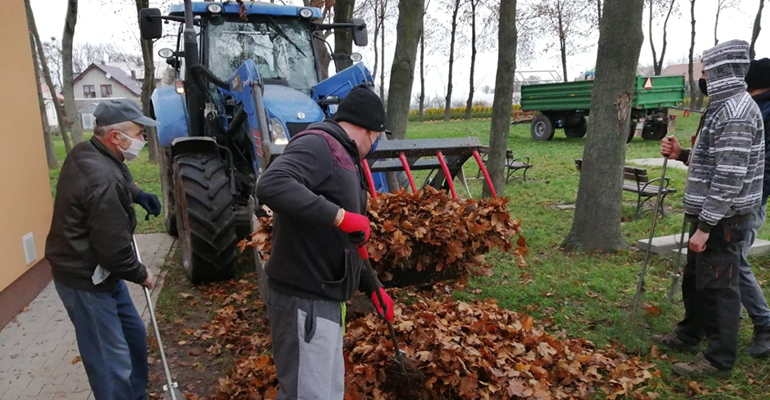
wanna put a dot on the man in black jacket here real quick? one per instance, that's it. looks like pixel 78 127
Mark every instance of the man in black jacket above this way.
pixel 90 249
pixel 318 196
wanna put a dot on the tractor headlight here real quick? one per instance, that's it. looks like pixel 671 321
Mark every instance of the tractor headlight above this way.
pixel 305 13
pixel 279 133
pixel 214 8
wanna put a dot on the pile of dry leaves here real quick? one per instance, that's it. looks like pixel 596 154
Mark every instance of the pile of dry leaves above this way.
pixel 429 234
pixel 466 351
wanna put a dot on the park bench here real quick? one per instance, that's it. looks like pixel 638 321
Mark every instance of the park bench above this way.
pixel 512 165
pixel 636 180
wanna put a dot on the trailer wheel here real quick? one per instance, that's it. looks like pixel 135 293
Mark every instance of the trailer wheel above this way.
pixel 542 128
pixel 576 131
pixel 631 131
pixel 205 218
pixel 657 131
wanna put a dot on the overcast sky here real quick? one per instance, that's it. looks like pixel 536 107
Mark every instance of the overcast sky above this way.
pixel 102 21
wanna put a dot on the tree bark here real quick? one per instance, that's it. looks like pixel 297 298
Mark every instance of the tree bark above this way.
pixel 469 103
pixel 716 22
pixel 659 69
pixel 408 31
pixel 448 105
pixel 50 151
pixel 421 114
pixel 507 37
pixel 693 86
pixel 757 28
pixel 562 45
pixel 343 38
pixel 382 48
pixel 148 86
pixel 652 42
pixel 47 77
pixel 600 191
pixel 376 36
pixel 67 86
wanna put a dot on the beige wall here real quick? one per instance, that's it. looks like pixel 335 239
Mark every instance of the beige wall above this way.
pixel 25 192
pixel 96 77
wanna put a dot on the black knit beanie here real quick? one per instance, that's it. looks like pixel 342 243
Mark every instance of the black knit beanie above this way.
pixel 759 74
pixel 362 107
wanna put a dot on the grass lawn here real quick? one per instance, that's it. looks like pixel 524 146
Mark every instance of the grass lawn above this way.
pixel 587 295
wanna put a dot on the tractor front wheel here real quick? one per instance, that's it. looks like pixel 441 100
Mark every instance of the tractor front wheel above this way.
pixel 576 131
pixel 205 218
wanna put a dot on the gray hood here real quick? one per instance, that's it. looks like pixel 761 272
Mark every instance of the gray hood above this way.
pixel 726 66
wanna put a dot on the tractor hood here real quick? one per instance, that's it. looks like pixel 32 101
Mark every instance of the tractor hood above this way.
pixel 291 106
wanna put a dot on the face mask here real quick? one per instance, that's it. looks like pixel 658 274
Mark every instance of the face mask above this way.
pixel 374 147
pixel 133 150
pixel 702 86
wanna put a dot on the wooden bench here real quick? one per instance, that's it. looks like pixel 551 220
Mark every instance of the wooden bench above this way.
pixel 512 165
pixel 636 180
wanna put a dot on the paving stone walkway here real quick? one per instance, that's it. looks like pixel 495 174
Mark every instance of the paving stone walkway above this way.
pixel 38 351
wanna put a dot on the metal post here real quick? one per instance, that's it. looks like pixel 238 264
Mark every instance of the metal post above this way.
pixel 640 285
pixel 485 172
pixel 447 175
pixel 408 171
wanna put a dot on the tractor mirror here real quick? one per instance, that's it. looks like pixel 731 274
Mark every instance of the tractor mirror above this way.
pixel 360 34
pixel 150 25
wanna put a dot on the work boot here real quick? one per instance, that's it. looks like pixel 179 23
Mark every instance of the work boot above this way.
pixel 698 367
pixel 760 346
pixel 672 341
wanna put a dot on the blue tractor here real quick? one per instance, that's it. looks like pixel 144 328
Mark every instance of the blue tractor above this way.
pixel 249 77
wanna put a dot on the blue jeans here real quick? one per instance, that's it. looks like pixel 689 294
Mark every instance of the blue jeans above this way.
pixel 112 341
pixel 751 293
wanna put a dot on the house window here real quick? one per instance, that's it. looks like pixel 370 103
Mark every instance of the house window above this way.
pixel 89 91
pixel 106 90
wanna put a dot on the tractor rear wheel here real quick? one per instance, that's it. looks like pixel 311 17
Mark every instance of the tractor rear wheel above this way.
pixel 205 218
pixel 542 128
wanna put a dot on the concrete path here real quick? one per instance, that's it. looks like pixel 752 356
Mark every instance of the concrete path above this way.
pixel 656 162
pixel 38 349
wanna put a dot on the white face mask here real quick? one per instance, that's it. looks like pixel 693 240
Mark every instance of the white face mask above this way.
pixel 133 150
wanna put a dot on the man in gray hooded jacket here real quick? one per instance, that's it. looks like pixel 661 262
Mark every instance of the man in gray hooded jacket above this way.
pixel 724 185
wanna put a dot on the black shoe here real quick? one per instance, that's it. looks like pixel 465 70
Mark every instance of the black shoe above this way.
pixel 760 346
pixel 672 341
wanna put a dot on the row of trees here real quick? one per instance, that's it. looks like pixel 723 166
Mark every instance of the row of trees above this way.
pixel 57 64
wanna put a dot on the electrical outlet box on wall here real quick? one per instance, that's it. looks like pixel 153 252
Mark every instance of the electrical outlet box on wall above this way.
pixel 30 253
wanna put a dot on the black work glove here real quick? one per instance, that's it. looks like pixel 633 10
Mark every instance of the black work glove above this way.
pixel 149 202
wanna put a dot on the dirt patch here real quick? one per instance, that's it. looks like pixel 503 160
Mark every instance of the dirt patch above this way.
pixel 187 318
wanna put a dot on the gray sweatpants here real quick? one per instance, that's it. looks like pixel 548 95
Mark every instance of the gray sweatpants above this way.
pixel 307 347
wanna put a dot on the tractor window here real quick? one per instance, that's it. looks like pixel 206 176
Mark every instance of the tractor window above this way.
pixel 280 48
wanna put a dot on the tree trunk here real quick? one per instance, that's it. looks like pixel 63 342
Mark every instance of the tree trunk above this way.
pixel 599 11
pixel 501 108
pixel 324 57
pixel 448 105
pixel 382 48
pixel 600 191
pixel 469 103
pixel 757 28
pixel 402 71
pixel 343 38
pixel 47 77
pixel 716 24
pixel 376 36
pixel 422 72
pixel 657 67
pixel 67 86
pixel 563 46
pixel 693 86
pixel 148 85
pixel 50 151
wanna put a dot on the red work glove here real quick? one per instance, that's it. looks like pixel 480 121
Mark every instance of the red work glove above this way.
pixel 389 311
pixel 355 224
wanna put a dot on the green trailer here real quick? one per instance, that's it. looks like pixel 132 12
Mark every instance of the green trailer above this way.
pixel 565 105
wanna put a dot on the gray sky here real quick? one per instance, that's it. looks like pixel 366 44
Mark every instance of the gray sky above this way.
pixel 104 21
